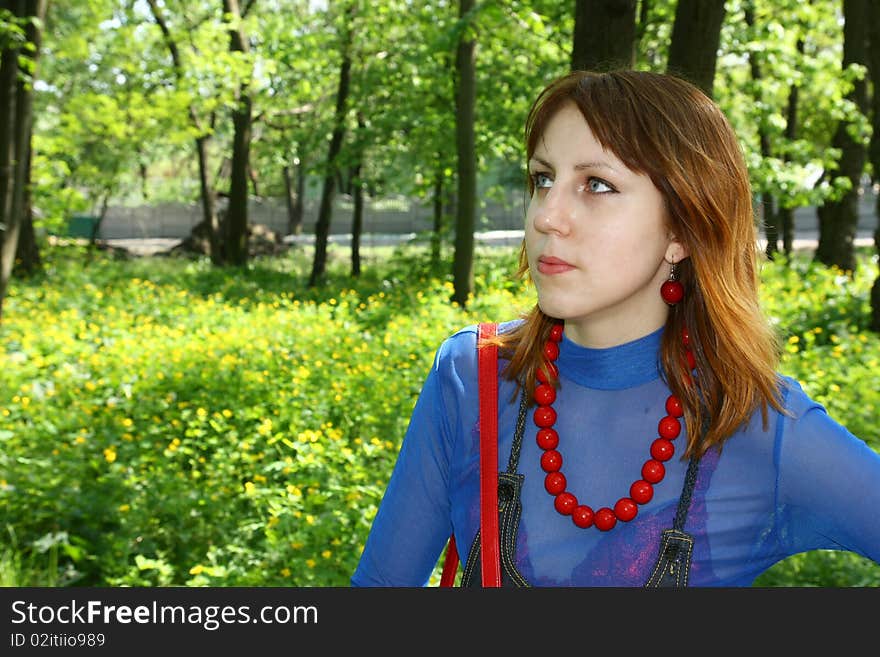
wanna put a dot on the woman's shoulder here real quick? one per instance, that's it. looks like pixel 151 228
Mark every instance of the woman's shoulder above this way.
pixel 796 401
pixel 809 417
pixel 466 336
pixel 461 346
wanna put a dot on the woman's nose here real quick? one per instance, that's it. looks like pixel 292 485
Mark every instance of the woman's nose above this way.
pixel 556 212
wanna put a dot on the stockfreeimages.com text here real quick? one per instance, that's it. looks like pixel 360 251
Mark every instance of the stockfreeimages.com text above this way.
pixel 211 617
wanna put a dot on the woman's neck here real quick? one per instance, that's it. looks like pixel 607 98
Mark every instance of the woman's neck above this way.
pixel 621 366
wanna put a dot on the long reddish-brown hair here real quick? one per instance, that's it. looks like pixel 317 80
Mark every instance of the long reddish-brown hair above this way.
pixel 669 130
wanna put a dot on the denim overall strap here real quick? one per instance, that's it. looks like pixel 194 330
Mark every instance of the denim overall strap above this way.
pixel 676 546
pixel 509 512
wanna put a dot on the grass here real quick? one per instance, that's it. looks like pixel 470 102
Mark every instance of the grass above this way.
pixel 165 422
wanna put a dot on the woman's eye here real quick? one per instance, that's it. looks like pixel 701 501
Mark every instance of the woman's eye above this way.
pixel 542 181
pixel 599 186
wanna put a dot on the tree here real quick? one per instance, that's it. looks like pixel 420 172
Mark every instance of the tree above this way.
pixel 465 101
pixel 604 34
pixel 22 25
pixel 767 202
pixel 27 255
pixel 838 218
pixel 292 108
pixel 203 130
pixel 785 212
pixel 696 33
pixel 873 26
pixel 236 229
pixel 325 210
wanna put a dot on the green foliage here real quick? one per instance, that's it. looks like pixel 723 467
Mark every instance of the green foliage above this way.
pixel 823 315
pixel 165 422
pixel 756 106
pixel 169 423
pixel 114 115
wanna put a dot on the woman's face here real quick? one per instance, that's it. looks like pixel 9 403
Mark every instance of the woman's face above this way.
pixel 596 237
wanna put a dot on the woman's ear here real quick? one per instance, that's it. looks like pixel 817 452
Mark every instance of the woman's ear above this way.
pixel 676 251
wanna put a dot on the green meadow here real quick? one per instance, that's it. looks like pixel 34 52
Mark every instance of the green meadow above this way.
pixel 167 423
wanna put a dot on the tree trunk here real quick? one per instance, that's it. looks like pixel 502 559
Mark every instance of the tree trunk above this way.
pixel 604 34
pixel 873 26
pixel 693 48
pixel 15 132
pixel 208 193
pixel 838 219
pixel 325 210
pixel 8 223
pixel 642 24
pixel 209 202
pixel 465 108
pixel 768 216
pixel 294 199
pixel 357 223
pixel 236 233
pixel 96 227
pixel 300 205
pixel 27 257
pixel 437 234
pixel 786 213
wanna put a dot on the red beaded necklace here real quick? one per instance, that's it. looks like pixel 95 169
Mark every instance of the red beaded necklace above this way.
pixel 653 470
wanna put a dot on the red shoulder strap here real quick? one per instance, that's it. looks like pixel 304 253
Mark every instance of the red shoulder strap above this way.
pixel 487 358
pixel 450 564
pixel 490 561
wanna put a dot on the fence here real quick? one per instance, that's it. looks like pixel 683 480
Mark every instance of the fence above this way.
pixel 385 216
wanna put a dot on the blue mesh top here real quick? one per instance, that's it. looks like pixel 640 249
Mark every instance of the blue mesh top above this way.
pixel 804 482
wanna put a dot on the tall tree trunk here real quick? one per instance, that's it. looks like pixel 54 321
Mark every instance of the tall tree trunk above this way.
pixel 785 213
pixel 357 222
pixel 873 25
pixel 16 102
pixel 8 223
pixel 210 217
pixel 325 209
pixel 437 234
pixel 236 230
pixel 294 198
pixel 604 34
pixel 107 193
pixel 642 23
pixel 208 193
pixel 300 205
pixel 465 109
pixel 768 216
pixel 27 257
pixel 693 48
pixel 838 219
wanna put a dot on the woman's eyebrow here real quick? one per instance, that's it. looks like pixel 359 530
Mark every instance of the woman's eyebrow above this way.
pixel 593 164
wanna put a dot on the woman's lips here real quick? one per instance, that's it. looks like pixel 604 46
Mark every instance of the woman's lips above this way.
pixel 550 265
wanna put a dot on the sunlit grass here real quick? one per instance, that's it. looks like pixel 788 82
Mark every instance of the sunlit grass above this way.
pixel 164 422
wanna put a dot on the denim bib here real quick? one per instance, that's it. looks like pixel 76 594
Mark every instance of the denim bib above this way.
pixel 676 546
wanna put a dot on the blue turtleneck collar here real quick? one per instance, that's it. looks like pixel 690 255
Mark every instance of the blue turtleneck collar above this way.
pixel 614 368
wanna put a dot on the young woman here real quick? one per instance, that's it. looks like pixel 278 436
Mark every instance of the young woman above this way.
pixel 644 435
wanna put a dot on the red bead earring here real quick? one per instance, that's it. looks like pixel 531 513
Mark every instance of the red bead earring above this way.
pixel 672 290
